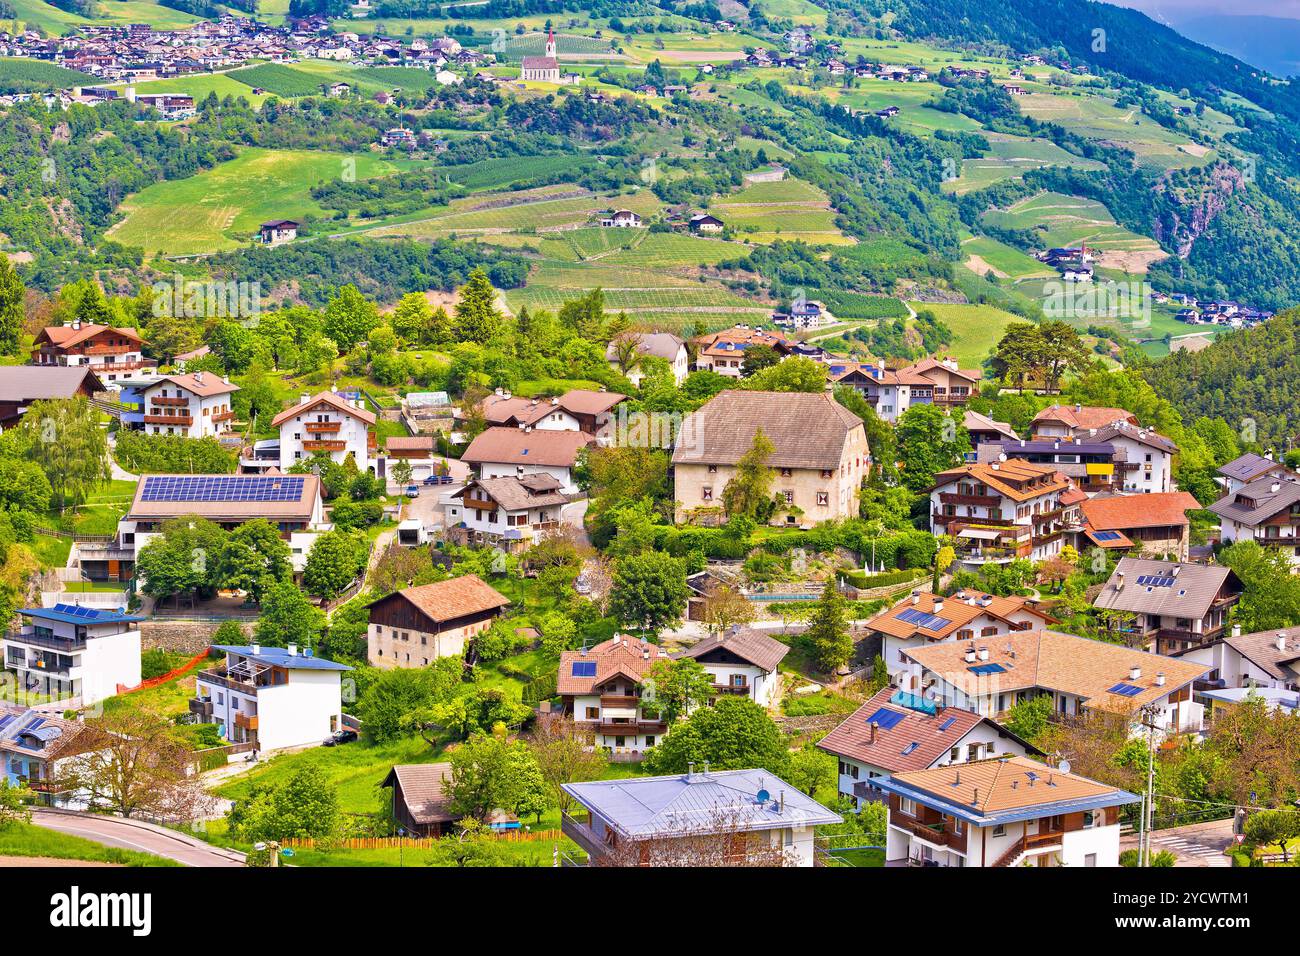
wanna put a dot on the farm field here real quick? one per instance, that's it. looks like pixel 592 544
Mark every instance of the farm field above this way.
pixel 52 20
pixel 1069 220
pixel 976 329
pixel 23 75
pixel 1007 262
pixel 220 208
pixel 527 212
pixel 789 209
pixel 1009 158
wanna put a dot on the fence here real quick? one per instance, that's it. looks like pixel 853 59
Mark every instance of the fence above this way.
pixel 416 843
pixel 175 672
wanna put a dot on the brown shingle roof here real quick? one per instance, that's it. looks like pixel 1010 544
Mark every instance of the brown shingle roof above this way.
pixel 958 610
pixel 1087 416
pixel 29 383
pixel 324 398
pixel 518 494
pixel 618 655
pixel 1122 512
pixel 1051 660
pixel 745 642
pixel 1009 783
pixel 397 444
pixel 1260 648
pixel 454 598
pixel 932 734
pixel 424 790
pixel 1193 589
pixel 65 336
pixel 204 384
pixel 583 401
pixel 514 446
pixel 808 429
pixel 1015 478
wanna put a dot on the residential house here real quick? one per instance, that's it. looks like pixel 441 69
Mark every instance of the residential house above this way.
pixel 1155 523
pixel 1264 659
pixel 1079 674
pixel 415 626
pixel 1249 467
pixel 74 653
pixel 1176 606
pixel 420 804
pixel 621 219
pixel 926 618
pixel 1266 511
pixel 44 753
pixel 194 405
pixel 501 452
pixel 896 732
pixel 724 352
pixel 578 409
pixel 510 513
pixel 982 429
pixel 271 697
pixel 950 385
pixel 1144 459
pixel 21 385
pixel 893 391
pixel 602 689
pixel 109 352
pixel 290 502
pixel 700 818
pixel 1004 812
pixel 1002 510
pixel 276 232
pixel 1073 421
pixel 818 461
pixel 1090 465
pixel 417 451
pixel 741 660
pixel 325 424
pixel 704 223
pixel 662 345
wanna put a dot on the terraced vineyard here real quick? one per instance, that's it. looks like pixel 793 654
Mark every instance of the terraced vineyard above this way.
pixel 1069 220
pixel 1010 157
pixel 790 209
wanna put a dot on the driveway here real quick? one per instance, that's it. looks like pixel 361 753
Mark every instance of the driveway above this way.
pixel 137 835
pixel 1197 844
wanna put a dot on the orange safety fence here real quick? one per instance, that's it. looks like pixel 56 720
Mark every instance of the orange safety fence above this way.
pixel 172 674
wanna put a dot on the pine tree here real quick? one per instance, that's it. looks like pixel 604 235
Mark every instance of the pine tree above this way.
pixel 11 307
pixel 477 318
pixel 828 632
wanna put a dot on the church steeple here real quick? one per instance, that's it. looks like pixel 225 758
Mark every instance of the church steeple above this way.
pixel 550 42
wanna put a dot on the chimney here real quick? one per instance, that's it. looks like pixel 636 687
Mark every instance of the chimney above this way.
pixel 1119 580
pixel 938 604
pixel 255 649
pixel 304 398
pixel 984 653
pixel 873 725
pixel 1176 569
pixel 293 650
pixel 1078 407
pixel 1275 487
pixel 1134 672
pixel 975 800
pixel 1281 640
pixel 1160 679
pixel 75 326
pixel 957 782
pixel 916 598
pixel 970 655
pixel 225 379
pixel 1236 630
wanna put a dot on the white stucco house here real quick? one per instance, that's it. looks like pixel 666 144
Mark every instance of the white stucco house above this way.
pixel 325 424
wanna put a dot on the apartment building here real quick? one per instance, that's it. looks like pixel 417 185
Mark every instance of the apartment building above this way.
pixel 272 697
pixel 700 818
pixel 893 391
pixel 1010 811
pixel 1090 465
pixel 194 405
pixel 1174 606
pixel 1248 468
pixel 741 660
pixel 326 424
pixel 1081 675
pixel 74 653
pixel 111 353
pixel 1266 511
pixel 926 618
pixel 896 732
pixel 1002 510
pixel 415 626
pixel 819 458
pixel 602 688
pixel 1144 459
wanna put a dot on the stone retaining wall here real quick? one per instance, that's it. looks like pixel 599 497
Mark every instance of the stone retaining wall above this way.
pixel 186 637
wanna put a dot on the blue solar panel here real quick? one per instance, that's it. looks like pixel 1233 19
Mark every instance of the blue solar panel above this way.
pixel 1106 535
pixel 222 488
pixel 887 719
pixel 909 748
pixel 584 668
pixel 986 669
pixel 928 621
pixel 948 723
pixel 1156 580
pixel 1126 690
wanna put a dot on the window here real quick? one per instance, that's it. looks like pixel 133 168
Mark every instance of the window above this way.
pixel 906 805
pixel 593 713
pixel 649 740
pixel 713 469
pixel 1090 859
pixel 787 473
pixel 706 494
pixel 955 754
pixel 789 497
pixel 999 830
pixel 823 498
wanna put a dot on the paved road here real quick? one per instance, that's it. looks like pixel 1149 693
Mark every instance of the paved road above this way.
pixel 1198 844
pixel 137 835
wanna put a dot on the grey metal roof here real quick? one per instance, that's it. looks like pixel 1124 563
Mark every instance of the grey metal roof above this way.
pixel 1258 501
pixel 1260 648
pixel 27 383
pixel 645 807
pixel 280 657
pixel 1192 591
pixel 1247 467
pixel 1143 435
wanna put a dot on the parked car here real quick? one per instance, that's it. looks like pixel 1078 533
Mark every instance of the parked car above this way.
pixel 413 491
pixel 339 737
pixel 582 585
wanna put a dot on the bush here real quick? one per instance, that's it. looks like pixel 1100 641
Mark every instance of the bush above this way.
pixel 155 663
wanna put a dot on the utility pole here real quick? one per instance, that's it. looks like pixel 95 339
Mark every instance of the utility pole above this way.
pixel 1148 798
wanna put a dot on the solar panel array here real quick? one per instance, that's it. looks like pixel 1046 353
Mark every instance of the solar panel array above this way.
pixel 986 669
pixel 223 488
pixel 89 613
pixel 1126 690
pixel 887 719
pixel 921 619
pixel 947 723
pixel 1156 580
pixel 1106 535
pixel 584 668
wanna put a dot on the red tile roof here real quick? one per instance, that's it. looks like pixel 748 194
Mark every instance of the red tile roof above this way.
pixel 1138 511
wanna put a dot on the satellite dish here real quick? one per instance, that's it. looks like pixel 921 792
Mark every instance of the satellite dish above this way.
pixel 763 796
pixel 1063 766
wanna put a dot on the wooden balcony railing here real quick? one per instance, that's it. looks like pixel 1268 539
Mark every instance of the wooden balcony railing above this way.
pixel 984 501
pixel 612 728
pixel 167 400
pixel 731 688
pixel 324 445
pixel 224 416
pixel 1027 843
pixel 619 700
pixel 248 722
pixel 156 419
pixel 322 426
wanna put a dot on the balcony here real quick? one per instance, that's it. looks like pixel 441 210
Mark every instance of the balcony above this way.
pixel 177 402
pixel 201 708
pixel 619 700
pixel 983 501
pixel 219 679
pixel 865 791
pixel 182 420
pixel 316 427
pixel 52 642
pixel 632 728
pixel 577 827
pixel 107 350
pixel 931 833
pixel 223 417
pixel 247 721
pixel 479 504
pixel 324 446
pixel 731 688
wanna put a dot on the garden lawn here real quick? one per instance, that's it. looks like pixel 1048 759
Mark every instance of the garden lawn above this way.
pixel 27 839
